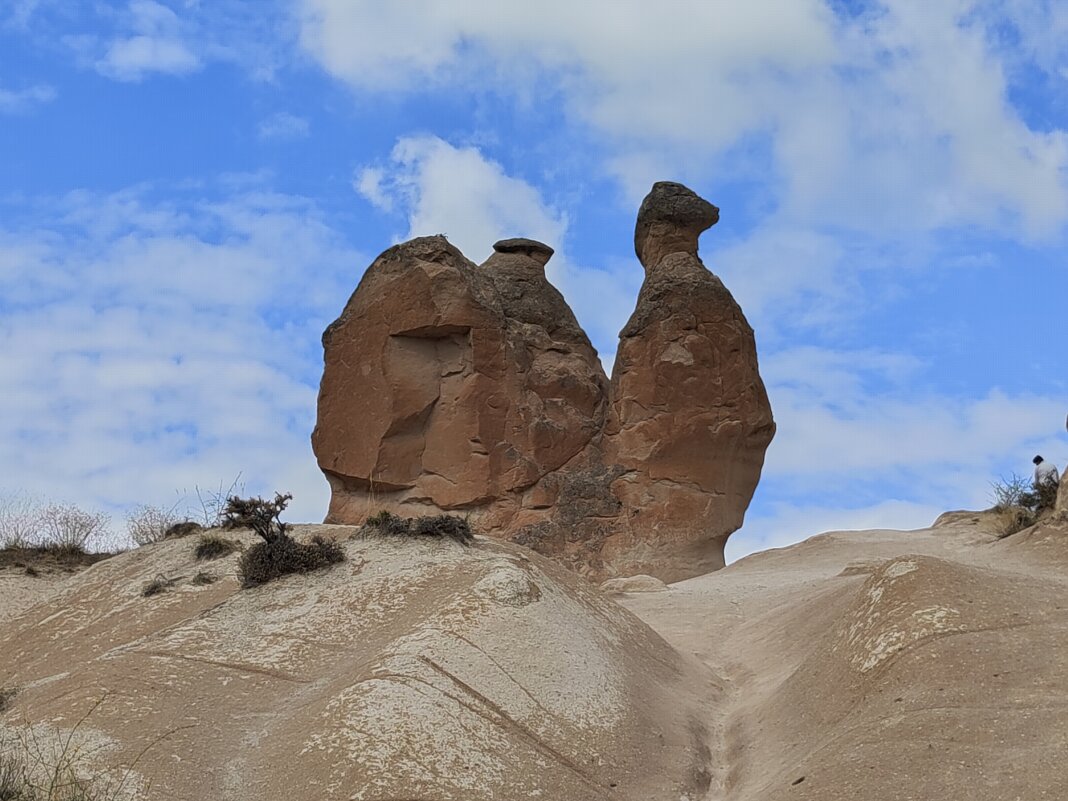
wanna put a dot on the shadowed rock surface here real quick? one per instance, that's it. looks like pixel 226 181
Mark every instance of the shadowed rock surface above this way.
pixel 454 387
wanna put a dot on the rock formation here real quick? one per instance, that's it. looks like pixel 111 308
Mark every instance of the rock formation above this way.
pixel 473 389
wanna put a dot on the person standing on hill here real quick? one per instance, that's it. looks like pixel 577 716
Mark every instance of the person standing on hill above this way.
pixel 1045 472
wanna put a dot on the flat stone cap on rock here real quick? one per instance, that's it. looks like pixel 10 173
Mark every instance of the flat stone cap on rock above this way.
pixel 530 247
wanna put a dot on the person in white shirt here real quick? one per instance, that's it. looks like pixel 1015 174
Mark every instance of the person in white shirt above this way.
pixel 1045 472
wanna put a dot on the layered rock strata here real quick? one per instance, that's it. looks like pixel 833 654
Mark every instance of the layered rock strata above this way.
pixel 473 389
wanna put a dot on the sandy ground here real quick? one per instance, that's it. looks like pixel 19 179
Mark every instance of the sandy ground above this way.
pixel 884 664
pixel 18 592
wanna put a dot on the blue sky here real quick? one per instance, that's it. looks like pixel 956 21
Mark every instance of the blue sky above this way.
pixel 190 190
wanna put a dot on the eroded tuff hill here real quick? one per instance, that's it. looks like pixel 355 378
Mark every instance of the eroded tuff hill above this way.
pixel 878 665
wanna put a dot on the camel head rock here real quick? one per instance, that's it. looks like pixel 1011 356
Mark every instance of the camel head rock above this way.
pixel 455 387
pixel 670 220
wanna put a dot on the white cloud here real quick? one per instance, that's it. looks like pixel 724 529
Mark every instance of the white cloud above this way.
pixel 22 100
pixel 284 126
pixel 895 119
pixel 155 44
pixel 19 12
pixel 458 192
pixel 148 348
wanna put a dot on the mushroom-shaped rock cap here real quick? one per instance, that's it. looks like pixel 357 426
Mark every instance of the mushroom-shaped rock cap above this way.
pixel 538 251
pixel 670 220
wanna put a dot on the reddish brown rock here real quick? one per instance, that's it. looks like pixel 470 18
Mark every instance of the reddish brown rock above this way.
pixel 690 418
pixel 449 386
pixel 455 387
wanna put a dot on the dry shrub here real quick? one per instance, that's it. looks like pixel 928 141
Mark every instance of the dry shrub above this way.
pixel 203 578
pixel 20 520
pixel 186 528
pixel 159 584
pixel 212 546
pixel 440 526
pixel 1019 503
pixel 67 527
pixel 148 524
pixel 262 516
pixel 272 559
pixel 35 766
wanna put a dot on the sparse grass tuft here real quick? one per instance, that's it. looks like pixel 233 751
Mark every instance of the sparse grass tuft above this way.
pixel 273 559
pixel 202 578
pixel 442 526
pixel 212 546
pixel 159 584
pixel 380 519
pixel 7 695
pixel 47 557
pixel 184 529
pixel 40 767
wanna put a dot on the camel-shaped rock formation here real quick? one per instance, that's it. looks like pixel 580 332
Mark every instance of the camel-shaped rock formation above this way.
pixel 471 389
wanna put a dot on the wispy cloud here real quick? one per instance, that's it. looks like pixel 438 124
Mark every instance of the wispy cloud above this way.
pixel 897 118
pixel 23 100
pixel 148 347
pixel 284 126
pixel 154 44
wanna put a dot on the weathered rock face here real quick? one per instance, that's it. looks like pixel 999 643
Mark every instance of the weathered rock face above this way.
pixel 689 419
pixel 454 387
pixel 451 386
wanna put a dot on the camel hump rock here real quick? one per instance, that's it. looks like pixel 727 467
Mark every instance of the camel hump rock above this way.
pixel 670 220
pixel 450 386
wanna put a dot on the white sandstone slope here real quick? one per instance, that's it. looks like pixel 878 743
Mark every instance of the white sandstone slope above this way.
pixel 877 665
pixel 417 669
pixel 886 665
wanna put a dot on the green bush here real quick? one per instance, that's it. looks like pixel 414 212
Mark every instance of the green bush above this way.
pixel 283 556
pixel 441 526
pixel 212 546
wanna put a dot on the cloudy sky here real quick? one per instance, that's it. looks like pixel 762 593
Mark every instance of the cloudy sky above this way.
pixel 190 189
